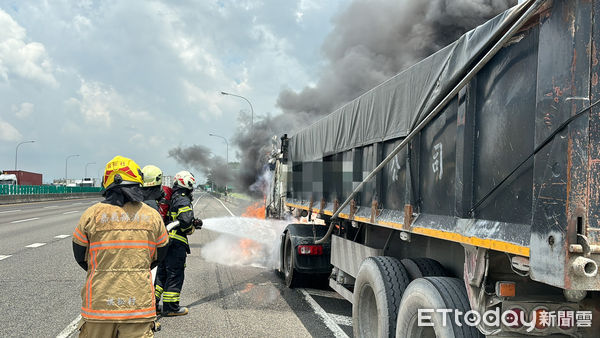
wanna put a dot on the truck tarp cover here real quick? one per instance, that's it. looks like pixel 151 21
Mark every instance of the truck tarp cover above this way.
pixel 393 108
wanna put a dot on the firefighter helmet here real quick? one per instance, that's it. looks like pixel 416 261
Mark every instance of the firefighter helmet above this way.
pixel 184 179
pixel 152 176
pixel 120 171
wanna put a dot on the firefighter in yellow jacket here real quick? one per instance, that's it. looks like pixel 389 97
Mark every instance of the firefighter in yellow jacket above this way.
pixel 118 242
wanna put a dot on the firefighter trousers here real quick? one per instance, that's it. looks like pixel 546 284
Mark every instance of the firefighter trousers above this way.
pixel 109 330
pixel 170 275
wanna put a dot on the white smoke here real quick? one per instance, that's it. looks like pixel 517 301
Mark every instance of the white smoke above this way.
pixel 263 182
pixel 244 241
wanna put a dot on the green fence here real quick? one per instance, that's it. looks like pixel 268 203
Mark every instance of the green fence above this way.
pixel 43 189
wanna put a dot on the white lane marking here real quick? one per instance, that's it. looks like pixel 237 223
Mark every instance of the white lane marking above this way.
pixel 78 203
pixel 51 207
pixel 330 323
pixel 341 319
pixel 4 257
pixel 62 236
pixel 34 245
pixel 70 212
pixel 25 220
pixel 323 293
pixel 7 211
pixel 70 328
pixel 226 208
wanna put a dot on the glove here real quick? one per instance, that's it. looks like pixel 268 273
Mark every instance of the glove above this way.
pixel 197 223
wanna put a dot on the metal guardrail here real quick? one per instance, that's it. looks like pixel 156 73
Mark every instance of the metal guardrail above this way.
pixel 44 189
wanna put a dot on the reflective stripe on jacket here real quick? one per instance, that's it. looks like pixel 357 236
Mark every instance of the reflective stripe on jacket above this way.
pixel 122 243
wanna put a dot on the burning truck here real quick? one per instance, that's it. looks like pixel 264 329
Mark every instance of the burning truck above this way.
pixel 467 184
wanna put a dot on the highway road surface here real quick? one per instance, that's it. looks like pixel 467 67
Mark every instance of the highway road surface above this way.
pixel 40 283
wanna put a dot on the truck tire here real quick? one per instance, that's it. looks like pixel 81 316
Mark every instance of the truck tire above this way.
pixel 292 277
pixel 423 267
pixel 434 293
pixel 281 270
pixel 377 294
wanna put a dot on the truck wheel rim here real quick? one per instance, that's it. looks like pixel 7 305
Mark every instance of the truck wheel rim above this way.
pixel 420 331
pixel 368 311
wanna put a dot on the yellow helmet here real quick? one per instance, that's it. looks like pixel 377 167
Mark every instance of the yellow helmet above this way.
pixel 152 176
pixel 121 170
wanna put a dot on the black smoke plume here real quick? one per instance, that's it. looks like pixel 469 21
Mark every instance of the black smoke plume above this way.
pixel 200 158
pixel 372 40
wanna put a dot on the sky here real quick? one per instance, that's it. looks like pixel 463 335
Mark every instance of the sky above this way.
pixel 143 78
pixel 137 78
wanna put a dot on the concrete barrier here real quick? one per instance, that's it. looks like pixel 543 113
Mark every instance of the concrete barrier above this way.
pixel 13 199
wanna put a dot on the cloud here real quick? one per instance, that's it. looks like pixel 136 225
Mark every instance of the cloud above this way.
pixel 147 139
pixel 194 51
pixel 23 110
pixel 100 104
pixel 82 24
pixel 8 132
pixel 305 6
pixel 208 101
pixel 17 57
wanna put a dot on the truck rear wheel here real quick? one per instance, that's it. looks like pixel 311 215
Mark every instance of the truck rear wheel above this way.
pixel 434 293
pixel 292 277
pixel 377 294
pixel 423 267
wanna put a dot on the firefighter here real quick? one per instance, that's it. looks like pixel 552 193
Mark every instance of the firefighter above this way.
pixel 152 196
pixel 152 186
pixel 118 242
pixel 170 280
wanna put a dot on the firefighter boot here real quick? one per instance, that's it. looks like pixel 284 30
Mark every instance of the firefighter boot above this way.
pixel 157 326
pixel 182 311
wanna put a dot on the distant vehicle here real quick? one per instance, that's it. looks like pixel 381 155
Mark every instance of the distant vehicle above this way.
pixel 86 182
pixel 8 179
pixel 25 177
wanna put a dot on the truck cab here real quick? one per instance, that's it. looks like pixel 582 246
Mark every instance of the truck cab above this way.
pixel 8 179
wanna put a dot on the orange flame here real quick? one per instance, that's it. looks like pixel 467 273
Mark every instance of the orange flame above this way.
pixel 257 210
pixel 249 247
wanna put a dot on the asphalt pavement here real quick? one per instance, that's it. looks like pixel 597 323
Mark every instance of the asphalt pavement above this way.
pixel 40 283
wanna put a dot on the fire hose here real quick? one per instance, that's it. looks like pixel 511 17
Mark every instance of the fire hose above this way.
pixel 172 225
pixel 196 222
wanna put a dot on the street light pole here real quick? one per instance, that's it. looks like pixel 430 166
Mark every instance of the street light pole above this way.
pixel 251 109
pixel 17 150
pixel 227 155
pixel 227 143
pixel 66 161
pixel 86 165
